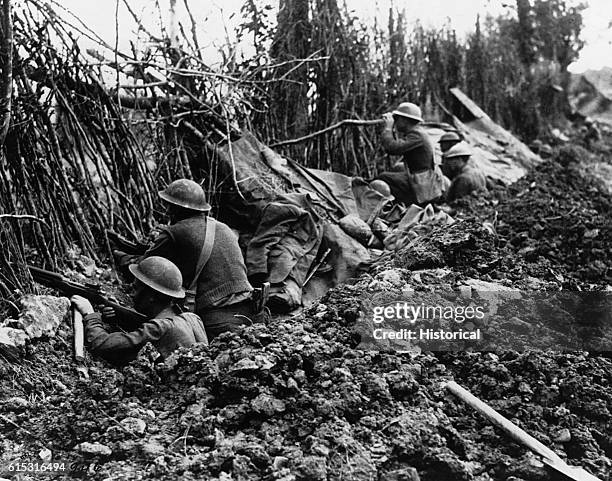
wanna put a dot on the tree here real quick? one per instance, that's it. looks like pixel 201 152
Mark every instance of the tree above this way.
pixel 550 30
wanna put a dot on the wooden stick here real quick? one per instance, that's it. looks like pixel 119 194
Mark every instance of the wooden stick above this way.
pixel 342 123
pixel 501 422
pixel 6 87
pixel 79 335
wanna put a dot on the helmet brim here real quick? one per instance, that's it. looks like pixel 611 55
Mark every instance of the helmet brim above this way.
pixel 408 116
pixel 138 274
pixel 171 200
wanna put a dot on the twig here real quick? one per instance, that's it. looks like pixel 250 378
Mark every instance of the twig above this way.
pixel 21 428
pixel 24 217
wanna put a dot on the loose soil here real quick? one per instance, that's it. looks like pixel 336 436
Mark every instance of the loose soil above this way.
pixel 297 400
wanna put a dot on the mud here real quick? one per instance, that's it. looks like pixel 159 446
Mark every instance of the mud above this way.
pixel 297 400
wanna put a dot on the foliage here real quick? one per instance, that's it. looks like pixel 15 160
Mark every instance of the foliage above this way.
pixel 507 65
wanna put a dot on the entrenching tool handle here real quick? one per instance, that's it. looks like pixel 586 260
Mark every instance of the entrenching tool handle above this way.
pixel 501 422
pixel 79 335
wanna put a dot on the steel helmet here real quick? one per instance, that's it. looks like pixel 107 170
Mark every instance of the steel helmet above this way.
pixel 458 150
pixel 186 193
pixel 450 137
pixel 409 110
pixel 381 187
pixel 161 275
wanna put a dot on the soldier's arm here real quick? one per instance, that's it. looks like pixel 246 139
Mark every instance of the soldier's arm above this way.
pixel 395 146
pixel 162 246
pixel 119 347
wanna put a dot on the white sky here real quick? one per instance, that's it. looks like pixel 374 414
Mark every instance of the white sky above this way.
pixel 215 16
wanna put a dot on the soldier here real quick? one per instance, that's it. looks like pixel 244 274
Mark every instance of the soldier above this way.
pixel 208 255
pixel 421 182
pixel 465 176
pixel 447 140
pixel 158 286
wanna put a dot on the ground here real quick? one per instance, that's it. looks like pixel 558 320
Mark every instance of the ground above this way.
pixel 298 400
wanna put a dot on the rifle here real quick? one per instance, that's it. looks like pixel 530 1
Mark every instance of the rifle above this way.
pixel 130 317
pixel 136 248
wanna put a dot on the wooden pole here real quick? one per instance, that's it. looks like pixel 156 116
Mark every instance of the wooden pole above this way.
pixel 6 55
pixel 79 335
pixel 342 123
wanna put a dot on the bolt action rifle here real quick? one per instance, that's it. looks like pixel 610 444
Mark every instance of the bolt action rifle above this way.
pixel 129 317
pixel 129 247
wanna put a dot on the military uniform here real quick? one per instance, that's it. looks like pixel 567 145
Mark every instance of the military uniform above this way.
pixel 167 332
pixel 421 182
pixel 222 284
pixel 470 179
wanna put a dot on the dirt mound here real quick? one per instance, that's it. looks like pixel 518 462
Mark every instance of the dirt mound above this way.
pixel 296 400
pixel 554 224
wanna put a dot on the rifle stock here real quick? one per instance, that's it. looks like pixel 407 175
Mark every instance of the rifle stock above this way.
pixel 130 317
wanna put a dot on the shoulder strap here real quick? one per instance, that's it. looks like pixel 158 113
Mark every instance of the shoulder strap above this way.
pixel 209 240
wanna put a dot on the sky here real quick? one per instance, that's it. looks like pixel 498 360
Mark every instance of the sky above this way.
pixel 217 18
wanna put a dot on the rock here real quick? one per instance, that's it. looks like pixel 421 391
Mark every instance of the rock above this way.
pixel 465 292
pixel 312 468
pixel 152 448
pixel 341 374
pixel 524 388
pixel 41 315
pixel 94 449
pixel 86 265
pixel 128 447
pixel 12 341
pixel 45 454
pixel 268 405
pixel 563 436
pixel 517 325
pixel 247 366
pixel 15 404
pixel 280 462
pixel 134 425
pixel 392 276
pixel 404 474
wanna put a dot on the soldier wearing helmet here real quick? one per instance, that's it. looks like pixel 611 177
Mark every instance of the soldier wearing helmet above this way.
pixel 421 182
pixel 465 176
pixel 448 139
pixel 222 290
pixel 158 285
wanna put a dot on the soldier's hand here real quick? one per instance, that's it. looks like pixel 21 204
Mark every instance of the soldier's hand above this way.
pixel 109 314
pixel 388 118
pixel 82 305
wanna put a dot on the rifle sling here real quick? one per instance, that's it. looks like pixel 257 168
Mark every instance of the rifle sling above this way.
pixel 209 240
